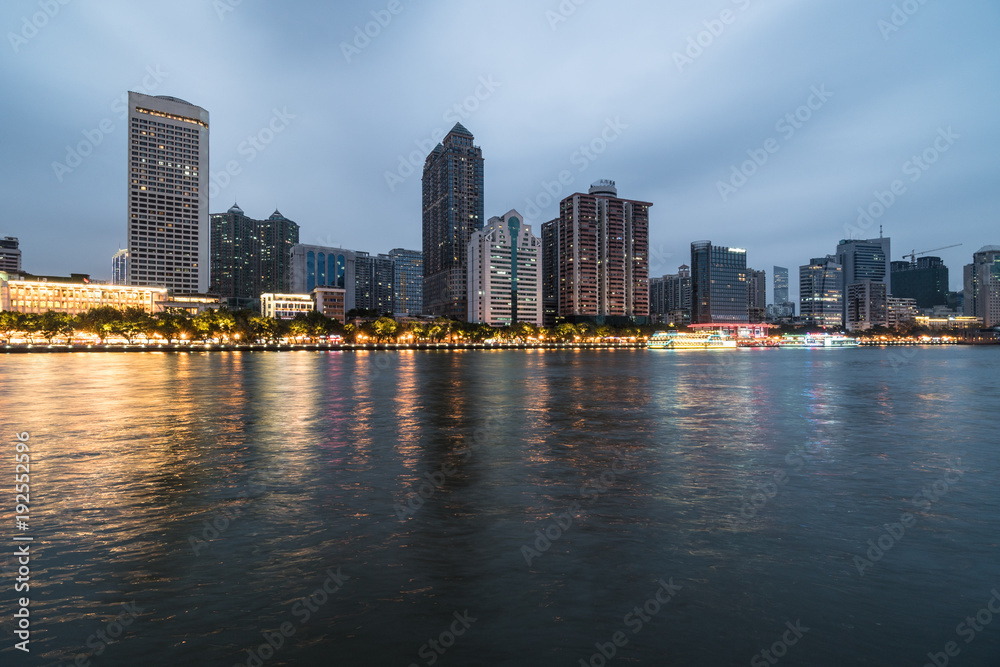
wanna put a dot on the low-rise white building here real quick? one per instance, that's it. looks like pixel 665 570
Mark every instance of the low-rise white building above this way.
pixel 285 306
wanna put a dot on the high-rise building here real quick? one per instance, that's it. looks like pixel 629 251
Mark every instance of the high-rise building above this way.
pixel 867 305
pixel 602 254
pixel 505 273
pixel 926 281
pixel 670 297
pixel 821 292
pixel 780 285
pixel 168 230
pixel 407 281
pixel 119 268
pixel 250 257
pixel 10 254
pixel 550 272
pixel 315 266
pixel 374 282
pixel 866 259
pixel 718 283
pixel 756 295
pixel 900 311
pixel 982 285
pixel 452 212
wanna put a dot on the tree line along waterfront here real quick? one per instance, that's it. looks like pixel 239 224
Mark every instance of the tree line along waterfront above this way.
pixel 107 325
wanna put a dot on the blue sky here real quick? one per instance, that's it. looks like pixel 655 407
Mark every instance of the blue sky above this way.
pixel 820 108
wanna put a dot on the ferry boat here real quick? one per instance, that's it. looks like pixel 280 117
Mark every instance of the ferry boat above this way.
pixel 816 340
pixel 678 340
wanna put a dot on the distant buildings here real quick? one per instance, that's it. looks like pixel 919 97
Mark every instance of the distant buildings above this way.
pixel 670 297
pixel 374 282
pixel 407 281
pixel 601 256
pixel 250 257
pixel 168 231
pixel 550 272
pixel 982 286
pixel 10 254
pixel 782 307
pixel 867 305
pixel 718 284
pixel 926 281
pixel 756 295
pixel 119 268
pixel 315 266
pixel 452 211
pixel 821 295
pixel 505 273
pixel 900 311
pixel 863 260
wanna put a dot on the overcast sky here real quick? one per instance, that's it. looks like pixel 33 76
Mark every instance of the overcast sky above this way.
pixel 665 98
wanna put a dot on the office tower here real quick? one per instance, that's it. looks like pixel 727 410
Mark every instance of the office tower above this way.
pixel 821 295
pixel 756 295
pixel 982 285
pixel 373 285
pixel 602 248
pixel 718 283
pixel 780 285
pixel 866 259
pixel 670 297
pixel 10 254
pixel 119 268
pixel 550 272
pixel 505 273
pixel 250 257
pixel 168 231
pixel 926 281
pixel 407 282
pixel 867 305
pixel 315 266
pixel 452 212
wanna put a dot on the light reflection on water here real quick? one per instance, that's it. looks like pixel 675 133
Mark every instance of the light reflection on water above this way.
pixel 300 459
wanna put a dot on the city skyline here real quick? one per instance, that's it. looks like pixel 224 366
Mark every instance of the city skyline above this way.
pixel 895 93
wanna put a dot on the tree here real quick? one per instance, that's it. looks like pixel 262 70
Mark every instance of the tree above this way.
pixel 385 328
pixel 565 331
pixel 52 324
pixel 298 328
pixel 101 321
pixel 132 322
pixel 10 323
pixel 171 323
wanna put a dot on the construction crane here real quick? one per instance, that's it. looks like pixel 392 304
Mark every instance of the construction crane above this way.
pixel 913 255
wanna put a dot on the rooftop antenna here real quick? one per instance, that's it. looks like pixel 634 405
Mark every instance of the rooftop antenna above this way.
pixel 880 231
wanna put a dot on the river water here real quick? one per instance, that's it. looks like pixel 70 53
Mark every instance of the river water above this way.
pixel 633 507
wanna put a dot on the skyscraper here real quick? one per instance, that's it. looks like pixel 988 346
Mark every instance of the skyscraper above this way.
pixel 780 285
pixel 10 254
pixel 821 295
pixel 982 285
pixel 505 273
pixel 452 212
pixel 550 271
pixel 718 283
pixel 250 257
pixel 867 305
pixel 119 268
pixel 374 283
pixel 861 260
pixel 926 281
pixel 407 281
pixel 756 295
pixel 602 254
pixel 168 230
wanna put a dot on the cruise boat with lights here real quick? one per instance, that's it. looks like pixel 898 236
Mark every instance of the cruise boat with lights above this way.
pixel 816 340
pixel 678 340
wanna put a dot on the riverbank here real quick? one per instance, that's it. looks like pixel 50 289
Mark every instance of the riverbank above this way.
pixel 313 347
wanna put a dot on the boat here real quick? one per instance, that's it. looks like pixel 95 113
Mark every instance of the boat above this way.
pixel 678 340
pixel 816 340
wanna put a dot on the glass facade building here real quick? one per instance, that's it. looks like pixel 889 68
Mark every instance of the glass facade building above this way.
pixel 821 292
pixel 315 266
pixel 718 283
pixel 407 281
pixel 926 281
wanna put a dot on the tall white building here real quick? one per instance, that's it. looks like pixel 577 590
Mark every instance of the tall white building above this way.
pixel 168 229
pixel 505 273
